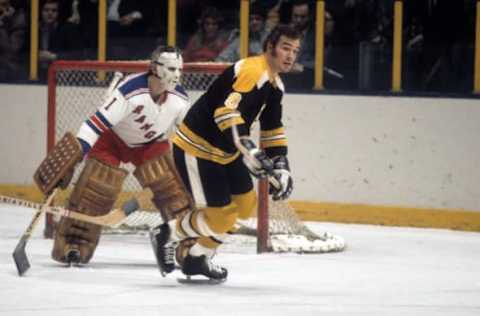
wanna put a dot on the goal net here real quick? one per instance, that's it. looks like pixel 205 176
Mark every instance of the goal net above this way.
pixel 77 88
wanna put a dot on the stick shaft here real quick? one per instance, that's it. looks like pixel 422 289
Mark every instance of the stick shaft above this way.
pixel 39 213
pixel 19 254
pixel 112 218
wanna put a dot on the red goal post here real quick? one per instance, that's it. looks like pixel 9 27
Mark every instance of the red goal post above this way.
pixel 77 88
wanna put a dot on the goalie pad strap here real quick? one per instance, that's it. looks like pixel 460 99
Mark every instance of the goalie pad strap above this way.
pixel 59 163
pixel 169 193
pixel 94 194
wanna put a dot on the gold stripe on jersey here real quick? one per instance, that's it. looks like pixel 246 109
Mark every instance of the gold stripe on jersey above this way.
pixel 273 138
pixel 199 147
pixel 226 117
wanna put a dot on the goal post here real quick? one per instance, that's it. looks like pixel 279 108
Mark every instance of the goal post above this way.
pixel 77 88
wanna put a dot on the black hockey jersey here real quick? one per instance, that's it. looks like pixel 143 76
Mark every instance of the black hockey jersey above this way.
pixel 245 91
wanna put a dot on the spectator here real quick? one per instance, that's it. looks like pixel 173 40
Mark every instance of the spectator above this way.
pixel 12 42
pixel 209 40
pixel 127 25
pixel 57 40
pixel 302 20
pixel 273 13
pixel 127 17
pixel 257 34
pixel 444 29
pixel 372 22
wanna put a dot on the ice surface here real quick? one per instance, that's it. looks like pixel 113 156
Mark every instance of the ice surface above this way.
pixel 384 271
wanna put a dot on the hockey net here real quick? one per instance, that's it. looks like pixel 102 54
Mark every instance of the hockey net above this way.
pixel 77 88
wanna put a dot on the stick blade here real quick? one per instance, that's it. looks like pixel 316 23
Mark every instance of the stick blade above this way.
pixel 20 258
pixel 130 206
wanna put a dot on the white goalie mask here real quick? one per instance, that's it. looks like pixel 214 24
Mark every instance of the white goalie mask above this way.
pixel 168 65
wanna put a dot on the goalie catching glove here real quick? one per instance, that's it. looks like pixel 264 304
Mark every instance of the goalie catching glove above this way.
pixel 281 171
pixel 255 159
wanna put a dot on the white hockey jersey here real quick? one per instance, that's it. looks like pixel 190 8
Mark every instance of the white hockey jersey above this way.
pixel 132 115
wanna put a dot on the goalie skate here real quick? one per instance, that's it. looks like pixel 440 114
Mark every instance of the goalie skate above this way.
pixel 73 257
pixel 163 248
pixel 202 265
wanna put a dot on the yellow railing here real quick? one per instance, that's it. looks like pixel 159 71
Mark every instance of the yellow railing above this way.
pixel 397 46
pixel 319 45
pixel 476 86
pixel 34 40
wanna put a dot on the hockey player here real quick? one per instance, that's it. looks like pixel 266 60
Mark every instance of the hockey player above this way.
pixel 206 154
pixel 133 125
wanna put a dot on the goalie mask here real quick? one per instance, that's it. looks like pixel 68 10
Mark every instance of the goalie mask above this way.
pixel 167 65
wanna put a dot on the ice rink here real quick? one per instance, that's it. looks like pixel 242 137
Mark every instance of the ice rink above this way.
pixel 384 271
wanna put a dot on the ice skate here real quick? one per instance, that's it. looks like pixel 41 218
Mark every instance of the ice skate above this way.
pixel 202 265
pixel 164 248
pixel 72 257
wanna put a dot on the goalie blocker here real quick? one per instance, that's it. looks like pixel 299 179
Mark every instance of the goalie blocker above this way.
pixel 57 168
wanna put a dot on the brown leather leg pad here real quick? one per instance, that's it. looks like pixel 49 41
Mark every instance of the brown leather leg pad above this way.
pixel 94 194
pixel 169 193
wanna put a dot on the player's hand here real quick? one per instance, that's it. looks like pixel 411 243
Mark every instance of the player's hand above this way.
pixel 281 172
pixel 256 160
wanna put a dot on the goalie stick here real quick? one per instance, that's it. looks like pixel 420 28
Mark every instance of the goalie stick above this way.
pixel 19 254
pixel 111 219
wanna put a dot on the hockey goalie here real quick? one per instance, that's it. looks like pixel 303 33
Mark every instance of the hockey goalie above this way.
pixel 133 125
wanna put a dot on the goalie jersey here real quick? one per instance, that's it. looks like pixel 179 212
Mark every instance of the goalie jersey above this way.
pixel 132 114
pixel 244 92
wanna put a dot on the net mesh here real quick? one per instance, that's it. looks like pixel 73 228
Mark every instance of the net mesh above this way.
pixel 79 89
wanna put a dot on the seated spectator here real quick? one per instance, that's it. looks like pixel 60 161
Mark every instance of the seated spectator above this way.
pixel 302 19
pixel 128 24
pixel 57 39
pixel 273 13
pixel 13 28
pixel 127 17
pixel 209 40
pixel 257 34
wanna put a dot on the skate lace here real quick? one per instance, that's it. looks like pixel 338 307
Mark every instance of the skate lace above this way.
pixel 169 251
pixel 214 267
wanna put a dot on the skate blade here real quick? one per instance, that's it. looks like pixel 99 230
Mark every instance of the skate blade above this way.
pixel 189 280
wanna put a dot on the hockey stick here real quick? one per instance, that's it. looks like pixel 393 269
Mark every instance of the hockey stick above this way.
pixel 19 254
pixel 111 219
pixel 236 139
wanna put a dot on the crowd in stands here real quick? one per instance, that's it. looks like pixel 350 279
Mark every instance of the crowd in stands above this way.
pixel 438 37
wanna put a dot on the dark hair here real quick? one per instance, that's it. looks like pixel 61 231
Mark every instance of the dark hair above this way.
pixel 163 49
pixel 277 32
pixel 210 12
pixel 258 9
pixel 302 2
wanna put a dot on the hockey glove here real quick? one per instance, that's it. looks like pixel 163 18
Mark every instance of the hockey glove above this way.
pixel 256 160
pixel 281 171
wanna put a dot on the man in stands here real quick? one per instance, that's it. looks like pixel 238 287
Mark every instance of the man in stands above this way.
pixel 209 154
pixel 133 125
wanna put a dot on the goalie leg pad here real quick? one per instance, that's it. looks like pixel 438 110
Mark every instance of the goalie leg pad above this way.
pixel 169 193
pixel 94 194
pixel 59 164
